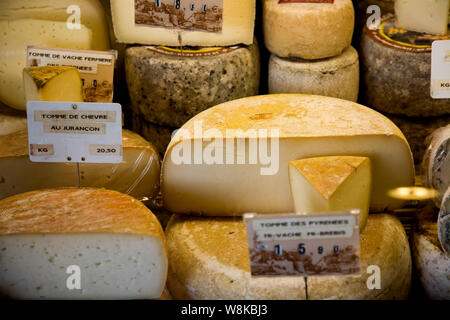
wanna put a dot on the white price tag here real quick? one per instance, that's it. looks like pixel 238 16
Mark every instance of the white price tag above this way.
pixel 304 245
pixel 74 132
pixel 440 69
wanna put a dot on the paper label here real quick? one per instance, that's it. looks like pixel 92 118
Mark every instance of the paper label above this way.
pixel 440 70
pixel 306 1
pixel 190 52
pixel 192 15
pixel 303 245
pixel 401 39
pixel 96 68
pixel 81 132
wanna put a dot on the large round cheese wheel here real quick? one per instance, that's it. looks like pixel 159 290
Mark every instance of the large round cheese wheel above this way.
pixel 396 69
pixel 444 222
pixel 432 264
pixel 334 77
pixel 209 259
pixel 11 120
pixel 168 86
pixel 308 30
pixel 436 162
pixel 417 129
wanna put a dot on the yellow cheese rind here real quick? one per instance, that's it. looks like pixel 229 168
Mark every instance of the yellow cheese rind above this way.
pixel 210 260
pixel 18 34
pixel 52 83
pixel 309 126
pixel 11 120
pixel 336 183
pixel 138 174
pixel 237 27
pixel 308 30
pixel 92 15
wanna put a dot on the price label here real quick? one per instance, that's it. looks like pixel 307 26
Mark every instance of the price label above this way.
pixel 440 69
pixel 303 245
pixel 74 132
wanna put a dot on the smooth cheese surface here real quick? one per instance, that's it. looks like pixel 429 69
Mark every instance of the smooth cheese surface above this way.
pixel 137 175
pixel 308 126
pixel 436 162
pixel 430 16
pixel 91 12
pixel 55 83
pixel 210 260
pixel 308 30
pixel 11 120
pixel 237 27
pixel 333 77
pixel 16 36
pixel 325 184
pixel 117 243
pixel 432 264
pixel 168 88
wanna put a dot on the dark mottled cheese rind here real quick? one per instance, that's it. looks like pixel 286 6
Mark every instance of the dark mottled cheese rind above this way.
pixel 168 90
pixel 398 81
pixel 444 223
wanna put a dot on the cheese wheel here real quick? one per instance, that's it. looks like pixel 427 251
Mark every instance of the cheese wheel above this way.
pixel 168 86
pixel 386 6
pixel 223 153
pixel 436 162
pixel 432 264
pixel 308 30
pixel 334 77
pixel 11 120
pixel 115 242
pixel 416 130
pixel 396 70
pixel 137 175
pixel 210 260
pixel 444 223
pixel 158 136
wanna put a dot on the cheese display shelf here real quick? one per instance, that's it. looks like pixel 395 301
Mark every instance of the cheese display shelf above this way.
pixel 238 117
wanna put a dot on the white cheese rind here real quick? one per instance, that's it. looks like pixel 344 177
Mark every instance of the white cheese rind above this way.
pixel 18 34
pixel 308 30
pixel 334 77
pixel 309 126
pixel 238 25
pixel 436 162
pixel 429 16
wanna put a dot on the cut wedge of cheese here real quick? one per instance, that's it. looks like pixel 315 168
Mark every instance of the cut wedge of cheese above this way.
pixel 207 169
pixel 55 83
pixel 16 36
pixel 430 16
pixel 139 22
pixel 109 241
pixel 209 259
pixel 327 184
pixel 137 175
pixel 444 223
pixel 432 264
pixel 91 14
pixel 436 162
pixel 308 30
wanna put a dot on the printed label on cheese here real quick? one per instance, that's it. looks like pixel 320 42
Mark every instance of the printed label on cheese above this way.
pixel 82 132
pixel 96 68
pixel 192 15
pixel 440 70
pixel 401 39
pixel 190 52
pixel 303 245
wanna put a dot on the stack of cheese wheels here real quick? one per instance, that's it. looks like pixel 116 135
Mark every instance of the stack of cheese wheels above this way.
pixel 137 175
pixel 23 23
pixel 195 57
pixel 396 69
pixel 12 120
pixel 326 154
pixel 87 243
pixel 310 46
